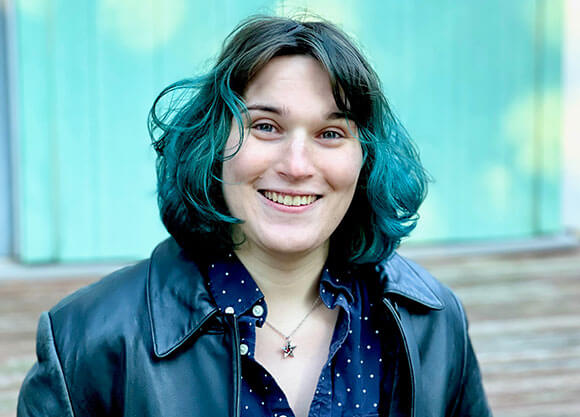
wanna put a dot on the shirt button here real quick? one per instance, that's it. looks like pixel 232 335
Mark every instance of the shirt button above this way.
pixel 258 310
pixel 244 349
pixel 229 310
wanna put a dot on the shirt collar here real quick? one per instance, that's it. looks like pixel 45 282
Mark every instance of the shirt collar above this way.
pixel 232 287
pixel 333 284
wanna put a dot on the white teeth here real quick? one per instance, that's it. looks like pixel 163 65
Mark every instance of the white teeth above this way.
pixel 289 200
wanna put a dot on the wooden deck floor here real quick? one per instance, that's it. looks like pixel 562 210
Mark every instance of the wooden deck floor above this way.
pixel 525 325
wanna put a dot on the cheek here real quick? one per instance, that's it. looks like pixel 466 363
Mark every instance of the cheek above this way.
pixel 343 171
pixel 232 188
pixel 244 167
pixel 228 173
pixel 234 167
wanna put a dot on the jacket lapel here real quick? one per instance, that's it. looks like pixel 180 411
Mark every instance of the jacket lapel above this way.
pixel 403 278
pixel 177 298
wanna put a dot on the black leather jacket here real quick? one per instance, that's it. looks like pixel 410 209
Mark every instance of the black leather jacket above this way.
pixel 148 341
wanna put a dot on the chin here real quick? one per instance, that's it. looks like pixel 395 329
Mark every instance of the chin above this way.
pixel 291 246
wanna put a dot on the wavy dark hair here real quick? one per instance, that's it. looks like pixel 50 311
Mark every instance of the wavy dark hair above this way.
pixel 190 122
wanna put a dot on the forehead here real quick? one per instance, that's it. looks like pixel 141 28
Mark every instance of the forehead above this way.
pixel 289 78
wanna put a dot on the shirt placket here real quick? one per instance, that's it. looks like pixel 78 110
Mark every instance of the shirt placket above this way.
pixel 322 400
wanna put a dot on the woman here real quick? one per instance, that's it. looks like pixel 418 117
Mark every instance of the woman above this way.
pixel 286 185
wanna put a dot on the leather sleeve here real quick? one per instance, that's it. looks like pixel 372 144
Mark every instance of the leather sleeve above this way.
pixel 472 401
pixel 44 391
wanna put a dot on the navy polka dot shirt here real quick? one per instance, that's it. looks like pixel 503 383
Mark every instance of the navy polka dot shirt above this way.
pixel 358 377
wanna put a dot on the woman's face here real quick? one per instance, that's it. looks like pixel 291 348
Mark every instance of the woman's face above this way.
pixel 295 175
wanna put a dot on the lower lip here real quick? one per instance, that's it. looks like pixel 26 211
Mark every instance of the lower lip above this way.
pixel 288 209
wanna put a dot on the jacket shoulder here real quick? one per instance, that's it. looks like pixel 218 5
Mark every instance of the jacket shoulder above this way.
pixel 103 320
pixel 94 330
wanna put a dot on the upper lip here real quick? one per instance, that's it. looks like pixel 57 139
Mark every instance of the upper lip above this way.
pixel 288 192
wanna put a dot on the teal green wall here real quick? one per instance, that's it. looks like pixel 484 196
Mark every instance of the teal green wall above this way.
pixel 476 83
pixel 6 232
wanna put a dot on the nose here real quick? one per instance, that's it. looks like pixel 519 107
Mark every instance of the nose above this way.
pixel 296 158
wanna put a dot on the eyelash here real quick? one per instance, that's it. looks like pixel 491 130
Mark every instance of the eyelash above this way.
pixel 337 135
pixel 271 127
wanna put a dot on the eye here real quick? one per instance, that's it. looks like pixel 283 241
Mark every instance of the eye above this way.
pixel 264 127
pixel 331 134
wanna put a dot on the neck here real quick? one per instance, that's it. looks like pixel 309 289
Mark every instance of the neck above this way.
pixel 288 281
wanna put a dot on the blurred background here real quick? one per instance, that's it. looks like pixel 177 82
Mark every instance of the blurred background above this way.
pixel 488 89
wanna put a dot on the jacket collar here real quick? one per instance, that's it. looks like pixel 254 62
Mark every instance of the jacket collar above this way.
pixel 178 300
pixel 403 277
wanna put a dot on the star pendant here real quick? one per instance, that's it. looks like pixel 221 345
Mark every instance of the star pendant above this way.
pixel 288 349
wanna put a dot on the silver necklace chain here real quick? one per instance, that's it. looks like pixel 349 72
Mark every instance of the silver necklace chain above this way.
pixel 288 348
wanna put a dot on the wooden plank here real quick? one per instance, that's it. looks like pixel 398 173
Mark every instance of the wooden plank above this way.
pixel 524 313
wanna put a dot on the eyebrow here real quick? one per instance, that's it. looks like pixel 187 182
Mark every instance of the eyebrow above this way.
pixel 268 108
pixel 283 111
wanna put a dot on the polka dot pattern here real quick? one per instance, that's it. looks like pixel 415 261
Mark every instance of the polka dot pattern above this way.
pixel 356 374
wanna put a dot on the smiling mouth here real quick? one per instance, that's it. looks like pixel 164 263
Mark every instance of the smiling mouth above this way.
pixel 290 200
